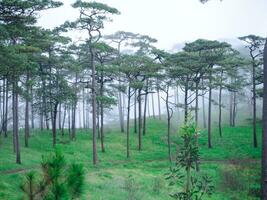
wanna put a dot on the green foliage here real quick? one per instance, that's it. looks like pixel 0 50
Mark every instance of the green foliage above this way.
pixel 131 187
pixel 193 185
pixel 58 181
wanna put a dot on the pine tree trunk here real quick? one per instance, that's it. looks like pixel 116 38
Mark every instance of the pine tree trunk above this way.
pixel 186 102
pixel 231 109
pixel 255 142
pixel 169 124
pixel 73 122
pixel 159 103
pixel 54 124
pixel 64 119
pixel 16 121
pixel 220 105
pixel 32 110
pixel 102 114
pixel 145 109
pixel 135 113
pixel 128 123
pixel 27 129
pixel 209 113
pixel 6 109
pixel 94 106
pixel 264 132
pixel 153 106
pixel 59 117
pixel 204 107
pixel 139 120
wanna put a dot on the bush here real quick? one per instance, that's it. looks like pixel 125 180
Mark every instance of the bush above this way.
pixel 157 185
pixel 231 178
pixel 58 181
pixel 131 187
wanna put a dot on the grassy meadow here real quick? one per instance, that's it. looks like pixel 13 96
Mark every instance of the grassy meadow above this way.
pixel 233 163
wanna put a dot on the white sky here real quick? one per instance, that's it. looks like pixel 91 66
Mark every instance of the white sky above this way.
pixel 176 21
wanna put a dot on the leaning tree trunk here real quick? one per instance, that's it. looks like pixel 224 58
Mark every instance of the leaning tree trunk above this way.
pixel 255 142
pixel 16 120
pixel 169 124
pixel 209 113
pixel 264 132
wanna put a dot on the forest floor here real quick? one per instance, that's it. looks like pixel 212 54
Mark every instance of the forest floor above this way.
pixel 233 163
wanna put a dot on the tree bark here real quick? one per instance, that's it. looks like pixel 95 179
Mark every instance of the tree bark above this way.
pixel 264 132
pixel 54 124
pixel 16 121
pixel 27 129
pixel 159 103
pixel 135 113
pixel 153 106
pixel 139 120
pixel 203 107
pixel 220 105
pixel 255 142
pixel 93 105
pixel 169 124
pixel 209 113
pixel 128 123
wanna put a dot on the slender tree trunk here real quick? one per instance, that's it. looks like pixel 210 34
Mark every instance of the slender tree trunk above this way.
pixel 153 106
pixel 64 119
pixel 220 111
pixel 209 113
pixel 121 113
pixel 234 110
pixel 16 121
pixel 264 132
pixel 59 117
pixel 54 124
pixel 73 122
pixel 203 106
pixel 186 102
pixel 32 109
pixel 145 109
pixel 84 123
pixel 220 105
pixel 255 142
pixel 6 109
pixel 169 124
pixel 231 109
pixel 135 113
pixel 102 114
pixel 196 123
pixel 27 127
pixel 98 121
pixel 94 106
pixel 128 122
pixel 139 120
pixel 196 105
pixel 159 103
pixel 4 101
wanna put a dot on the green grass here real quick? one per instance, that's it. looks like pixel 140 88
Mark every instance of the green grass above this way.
pixel 107 180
